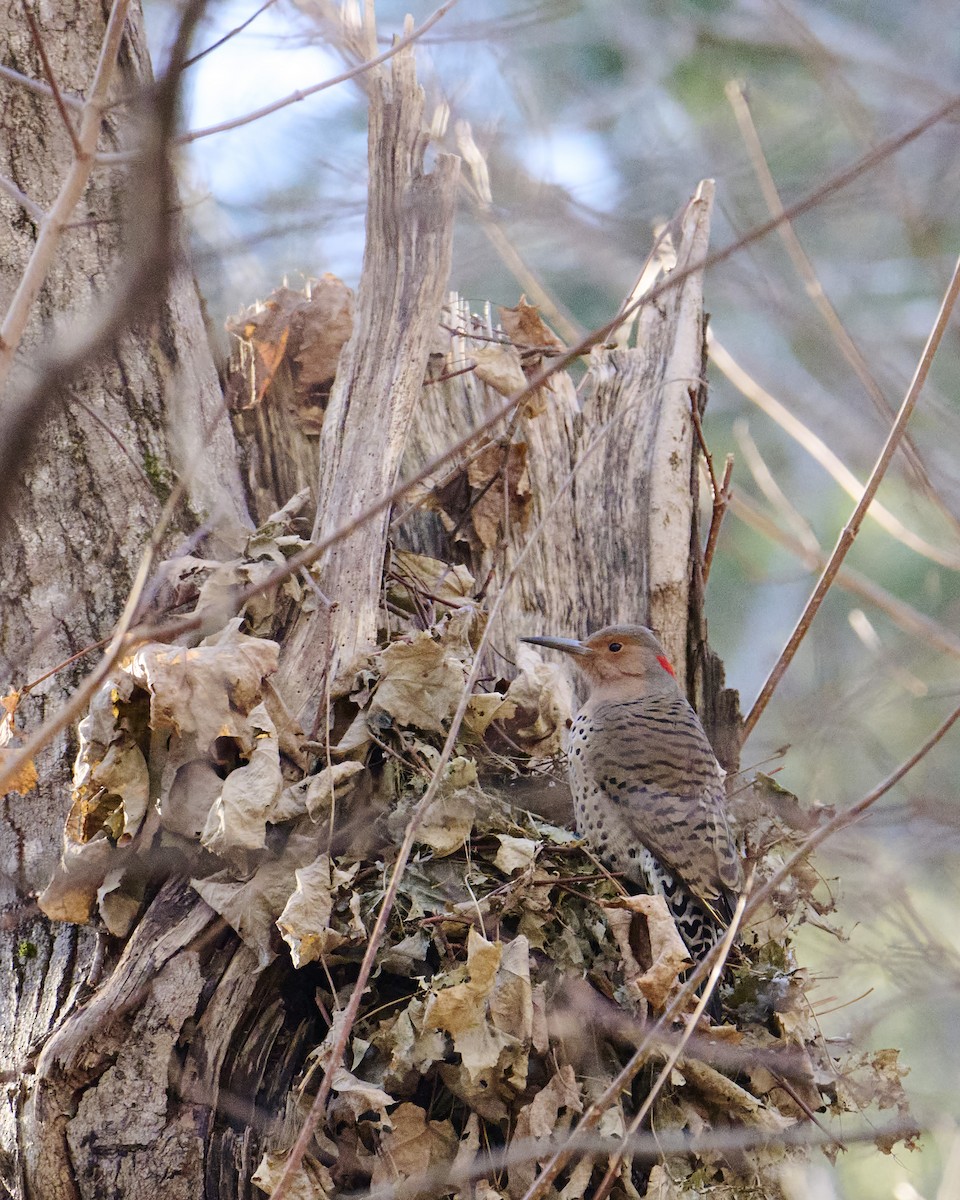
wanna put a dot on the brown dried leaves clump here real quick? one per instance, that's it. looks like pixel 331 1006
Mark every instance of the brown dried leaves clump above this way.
pixel 514 979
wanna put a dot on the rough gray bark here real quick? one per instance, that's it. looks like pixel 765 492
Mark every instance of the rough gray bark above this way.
pixel 75 527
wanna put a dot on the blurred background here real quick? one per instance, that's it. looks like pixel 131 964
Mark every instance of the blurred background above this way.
pixel 596 119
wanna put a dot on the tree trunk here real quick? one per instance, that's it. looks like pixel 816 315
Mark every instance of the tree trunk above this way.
pixel 76 522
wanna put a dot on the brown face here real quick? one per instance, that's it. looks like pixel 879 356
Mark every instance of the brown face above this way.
pixel 616 652
pixel 629 650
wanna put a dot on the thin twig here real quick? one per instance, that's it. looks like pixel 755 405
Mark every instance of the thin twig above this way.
pixel 814 288
pixel 817 448
pixel 31 207
pixel 51 231
pixel 851 529
pixel 195 58
pixel 720 491
pixel 51 78
pixel 910 619
pixel 304 93
pixel 41 89
pixel 848 816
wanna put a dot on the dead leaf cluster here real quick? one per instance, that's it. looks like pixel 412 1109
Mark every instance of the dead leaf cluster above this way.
pixel 513 982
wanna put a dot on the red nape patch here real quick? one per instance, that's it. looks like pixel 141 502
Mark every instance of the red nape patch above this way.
pixel 665 663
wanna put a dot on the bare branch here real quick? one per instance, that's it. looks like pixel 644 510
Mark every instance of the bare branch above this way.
pixel 73 187
pixel 719 491
pixel 51 78
pixel 30 206
pixel 41 89
pixel 814 288
pixel 821 453
pixel 303 93
pixel 848 816
pixel 852 528
pixel 910 619
pixel 232 34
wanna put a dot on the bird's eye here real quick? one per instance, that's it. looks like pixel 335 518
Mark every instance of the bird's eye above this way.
pixel 614 647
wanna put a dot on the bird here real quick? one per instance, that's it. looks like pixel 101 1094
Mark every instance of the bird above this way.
pixel 649 795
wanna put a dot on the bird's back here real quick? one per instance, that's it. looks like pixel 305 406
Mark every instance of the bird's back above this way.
pixel 649 797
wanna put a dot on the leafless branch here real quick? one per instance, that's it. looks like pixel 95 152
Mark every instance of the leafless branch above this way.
pixel 851 529
pixel 719 491
pixel 821 453
pixel 195 58
pixel 848 816
pixel 41 89
pixel 814 288
pixel 72 189
pixel 31 207
pixel 907 617
pixel 51 77
pixel 304 93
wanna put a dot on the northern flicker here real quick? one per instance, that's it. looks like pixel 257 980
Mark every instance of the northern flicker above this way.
pixel 648 790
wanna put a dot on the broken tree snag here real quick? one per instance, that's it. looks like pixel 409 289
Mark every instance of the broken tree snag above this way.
pixel 405 267
pixel 635 501
pixel 616 544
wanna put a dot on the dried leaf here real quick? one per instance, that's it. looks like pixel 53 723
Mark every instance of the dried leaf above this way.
pixel 420 682
pixel 431 578
pixel 447 822
pixel 304 923
pixel 238 818
pixel 461 1010
pixel 502 497
pixel 361 1097
pixel 25 776
pixel 486 707
pixel 544 701
pixel 413 1146
pixel 325 322
pixel 525 327
pixel 311 1180
pixel 515 853
pixel 312 796
pixel 499 367
pixel 670 955
pixel 252 906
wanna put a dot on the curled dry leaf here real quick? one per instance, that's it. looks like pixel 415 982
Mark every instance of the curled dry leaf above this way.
pixel 429 577
pixel 515 853
pixel 253 905
pixel 311 1180
pixel 304 923
pixel 306 328
pixel 669 954
pixel 501 499
pixel 239 815
pixel 499 367
pixel 527 329
pixel 542 694
pixel 26 775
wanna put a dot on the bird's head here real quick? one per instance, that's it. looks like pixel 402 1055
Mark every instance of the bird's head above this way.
pixel 625 655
